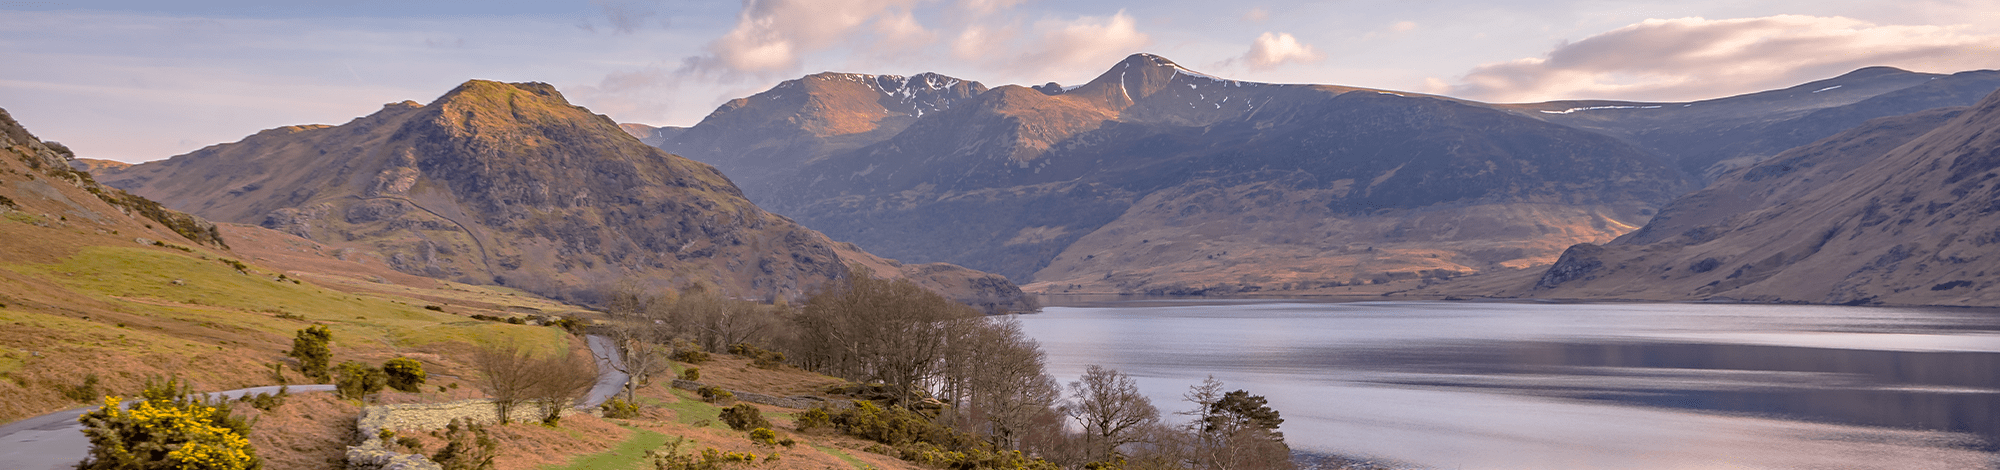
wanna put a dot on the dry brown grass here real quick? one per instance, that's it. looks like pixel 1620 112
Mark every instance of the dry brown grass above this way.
pixel 736 373
pixel 310 431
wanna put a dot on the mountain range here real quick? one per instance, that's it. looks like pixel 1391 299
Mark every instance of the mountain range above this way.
pixel 1157 179
pixel 507 183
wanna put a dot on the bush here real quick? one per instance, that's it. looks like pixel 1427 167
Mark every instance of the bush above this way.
pixel 744 417
pixel 619 409
pixel 691 355
pixel 709 459
pixel 467 446
pixel 759 357
pixel 358 380
pixel 266 401
pixel 311 348
pixel 172 428
pixel 405 374
pixel 691 374
pixel 411 444
pixel 714 394
pixel 568 323
pixel 764 436
pixel 814 418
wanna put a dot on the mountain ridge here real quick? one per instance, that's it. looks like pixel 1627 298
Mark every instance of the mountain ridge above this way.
pixel 509 184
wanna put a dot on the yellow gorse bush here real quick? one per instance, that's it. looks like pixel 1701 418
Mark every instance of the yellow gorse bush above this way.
pixel 167 432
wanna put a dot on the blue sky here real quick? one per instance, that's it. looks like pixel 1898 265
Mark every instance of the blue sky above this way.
pixel 144 80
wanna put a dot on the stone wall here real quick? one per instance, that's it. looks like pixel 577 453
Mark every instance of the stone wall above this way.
pixel 375 454
pixel 795 402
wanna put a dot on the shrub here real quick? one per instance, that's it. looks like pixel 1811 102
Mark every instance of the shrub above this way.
pixel 310 347
pixel 744 417
pixel 434 308
pixel 467 446
pixel 619 409
pixel 709 459
pixel 358 380
pixel 171 428
pixel 405 374
pixel 267 401
pixel 568 323
pixel 714 394
pixel 691 355
pixel 411 444
pixel 764 436
pixel 691 374
pixel 760 358
pixel 813 418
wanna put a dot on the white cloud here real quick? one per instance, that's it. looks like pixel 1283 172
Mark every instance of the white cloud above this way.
pixel 1403 26
pixel 1695 58
pixel 1272 50
pixel 773 36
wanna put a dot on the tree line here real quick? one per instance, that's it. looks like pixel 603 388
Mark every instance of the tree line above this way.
pixel 979 380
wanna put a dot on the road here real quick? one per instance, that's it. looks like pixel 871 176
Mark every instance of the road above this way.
pixel 55 441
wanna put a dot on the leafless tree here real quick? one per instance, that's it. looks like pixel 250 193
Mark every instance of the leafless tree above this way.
pixel 997 375
pixel 639 330
pixel 564 379
pixel 1111 410
pixel 868 329
pixel 508 376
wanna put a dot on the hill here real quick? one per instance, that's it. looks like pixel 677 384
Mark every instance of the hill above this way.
pixel 1897 211
pixel 509 184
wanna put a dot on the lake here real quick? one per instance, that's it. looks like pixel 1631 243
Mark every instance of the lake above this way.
pixel 1467 385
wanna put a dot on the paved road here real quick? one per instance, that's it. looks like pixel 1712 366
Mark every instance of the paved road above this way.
pixel 55 441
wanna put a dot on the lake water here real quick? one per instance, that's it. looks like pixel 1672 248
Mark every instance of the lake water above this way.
pixel 1455 385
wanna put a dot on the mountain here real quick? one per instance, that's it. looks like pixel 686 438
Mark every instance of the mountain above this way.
pixel 39 188
pixel 510 184
pixel 1897 211
pixel 752 139
pixel 1707 138
pixel 1153 178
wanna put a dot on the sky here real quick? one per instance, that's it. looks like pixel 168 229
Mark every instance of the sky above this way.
pixel 141 80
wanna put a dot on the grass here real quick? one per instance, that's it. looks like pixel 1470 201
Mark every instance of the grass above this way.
pixel 629 454
pixel 690 410
pixel 844 457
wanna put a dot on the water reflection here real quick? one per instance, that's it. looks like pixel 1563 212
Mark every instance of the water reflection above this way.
pixel 1459 385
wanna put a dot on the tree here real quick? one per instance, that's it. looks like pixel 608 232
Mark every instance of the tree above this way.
pixel 1234 430
pixel 877 330
pixel 405 374
pixel 311 347
pixel 1111 410
pixel 507 375
pixel 171 429
pixel 995 372
pixel 638 330
pixel 564 380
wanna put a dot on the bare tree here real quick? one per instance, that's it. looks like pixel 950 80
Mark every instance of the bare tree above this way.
pixel 997 373
pixel 638 329
pixel 509 376
pixel 868 329
pixel 1111 410
pixel 562 381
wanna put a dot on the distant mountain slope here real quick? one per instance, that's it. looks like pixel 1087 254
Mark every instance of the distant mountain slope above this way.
pixel 510 184
pixel 1898 211
pixel 1156 178
pixel 1709 137
pixel 755 138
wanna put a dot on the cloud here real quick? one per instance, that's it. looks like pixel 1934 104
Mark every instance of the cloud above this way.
pixel 627 17
pixel 773 36
pixel 1403 26
pixel 1256 15
pixel 1695 58
pixel 1089 42
pixel 1271 50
